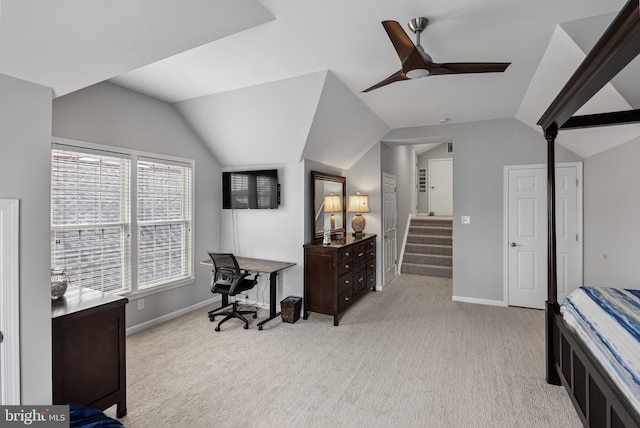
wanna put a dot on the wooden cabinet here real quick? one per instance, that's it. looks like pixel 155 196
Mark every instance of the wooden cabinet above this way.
pixel 336 275
pixel 88 335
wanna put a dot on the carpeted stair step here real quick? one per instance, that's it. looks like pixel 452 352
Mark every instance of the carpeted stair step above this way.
pixel 430 230
pixel 427 270
pixel 443 250
pixel 430 240
pixel 429 247
pixel 428 259
pixel 421 221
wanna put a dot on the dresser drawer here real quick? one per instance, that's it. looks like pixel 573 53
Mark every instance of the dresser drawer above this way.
pixel 371 267
pixel 362 281
pixel 371 249
pixel 371 281
pixel 345 254
pixel 345 282
pixel 345 300
pixel 360 254
pixel 345 267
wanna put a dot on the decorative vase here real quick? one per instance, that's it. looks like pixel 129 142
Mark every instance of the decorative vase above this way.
pixel 59 282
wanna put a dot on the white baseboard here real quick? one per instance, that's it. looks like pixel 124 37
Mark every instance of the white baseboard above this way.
pixel 479 301
pixel 168 317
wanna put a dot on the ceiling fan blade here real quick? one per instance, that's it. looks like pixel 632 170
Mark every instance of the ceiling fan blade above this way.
pixel 399 39
pixel 395 77
pixel 468 67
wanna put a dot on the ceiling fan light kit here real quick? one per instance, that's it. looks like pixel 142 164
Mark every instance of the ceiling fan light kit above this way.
pixel 417 73
pixel 416 63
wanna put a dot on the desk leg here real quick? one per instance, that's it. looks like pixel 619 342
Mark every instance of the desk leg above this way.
pixel 225 303
pixel 273 282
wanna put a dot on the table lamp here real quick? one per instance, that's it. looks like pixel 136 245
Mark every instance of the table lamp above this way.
pixel 358 204
pixel 332 205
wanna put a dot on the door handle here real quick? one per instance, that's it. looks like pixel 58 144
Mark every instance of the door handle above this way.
pixel 513 244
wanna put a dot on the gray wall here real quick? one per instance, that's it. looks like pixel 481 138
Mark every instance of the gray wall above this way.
pixel 25 171
pixel 438 152
pixel 481 150
pixel 112 115
pixel 611 210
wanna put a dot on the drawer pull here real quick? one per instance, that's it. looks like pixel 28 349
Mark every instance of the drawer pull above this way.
pixel 360 255
pixel 346 281
pixel 347 266
pixel 346 298
pixel 360 279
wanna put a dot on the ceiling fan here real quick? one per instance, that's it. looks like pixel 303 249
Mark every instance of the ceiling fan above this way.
pixel 416 63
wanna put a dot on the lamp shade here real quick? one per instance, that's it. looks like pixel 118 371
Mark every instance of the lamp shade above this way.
pixel 332 204
pixel 358 203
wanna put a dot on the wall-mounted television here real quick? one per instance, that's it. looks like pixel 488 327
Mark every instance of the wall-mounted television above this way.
pixel 257 189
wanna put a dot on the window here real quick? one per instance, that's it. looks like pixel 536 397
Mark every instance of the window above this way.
pixel 164 223
pixel 96 203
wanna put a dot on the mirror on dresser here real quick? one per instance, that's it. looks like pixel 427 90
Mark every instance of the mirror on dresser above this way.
pixel 328 199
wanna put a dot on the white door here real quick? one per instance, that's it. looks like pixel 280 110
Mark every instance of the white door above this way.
pixel 441 186
pixel 568 231
pixel 9 303
pixel 389 214
pixel 527 234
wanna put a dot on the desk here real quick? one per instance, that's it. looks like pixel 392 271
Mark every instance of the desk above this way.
pixel 259 266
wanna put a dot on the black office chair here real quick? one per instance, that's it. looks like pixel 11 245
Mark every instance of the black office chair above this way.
pixel 228 279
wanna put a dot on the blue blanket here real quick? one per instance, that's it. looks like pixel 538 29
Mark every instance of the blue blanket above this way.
pixel 608 322
pixel 86 417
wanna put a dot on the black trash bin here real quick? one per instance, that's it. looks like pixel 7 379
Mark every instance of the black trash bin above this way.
pixel 291 309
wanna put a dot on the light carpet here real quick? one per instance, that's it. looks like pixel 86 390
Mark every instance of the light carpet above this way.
pixel 408 356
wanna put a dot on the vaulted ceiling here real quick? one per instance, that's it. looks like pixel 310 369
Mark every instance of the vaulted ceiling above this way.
pixel 288 74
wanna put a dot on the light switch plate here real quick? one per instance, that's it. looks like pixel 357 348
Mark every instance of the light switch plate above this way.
pixel 466 219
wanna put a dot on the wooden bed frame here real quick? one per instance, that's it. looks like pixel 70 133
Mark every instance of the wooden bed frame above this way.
pixel 597 400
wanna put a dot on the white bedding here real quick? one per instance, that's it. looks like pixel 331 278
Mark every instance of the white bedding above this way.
pixel 608 322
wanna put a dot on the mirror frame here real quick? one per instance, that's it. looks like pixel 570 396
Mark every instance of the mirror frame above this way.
pixel 321 176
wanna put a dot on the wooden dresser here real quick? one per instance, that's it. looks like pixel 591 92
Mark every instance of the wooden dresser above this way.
pixel 337 275
pixel 88 335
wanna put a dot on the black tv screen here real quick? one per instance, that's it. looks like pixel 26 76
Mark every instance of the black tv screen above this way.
pixel 257 189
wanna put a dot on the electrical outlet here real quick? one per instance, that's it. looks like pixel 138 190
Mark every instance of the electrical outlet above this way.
pixel 466 219
pixel 140 304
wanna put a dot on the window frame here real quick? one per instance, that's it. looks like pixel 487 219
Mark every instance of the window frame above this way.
pixel 134 156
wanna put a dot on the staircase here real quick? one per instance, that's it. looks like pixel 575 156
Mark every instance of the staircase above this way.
pixel 429 247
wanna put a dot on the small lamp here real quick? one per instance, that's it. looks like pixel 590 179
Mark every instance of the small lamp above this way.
pixel 358 204
pixel 332 205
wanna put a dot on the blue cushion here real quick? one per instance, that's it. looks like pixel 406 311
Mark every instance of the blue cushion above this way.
pixel 86 417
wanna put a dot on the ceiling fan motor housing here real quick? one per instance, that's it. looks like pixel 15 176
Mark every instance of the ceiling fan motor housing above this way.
pixel 418 25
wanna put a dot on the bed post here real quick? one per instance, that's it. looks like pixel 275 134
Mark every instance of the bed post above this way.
pixel 550 135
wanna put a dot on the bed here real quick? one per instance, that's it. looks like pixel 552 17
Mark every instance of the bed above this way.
pixel 597 396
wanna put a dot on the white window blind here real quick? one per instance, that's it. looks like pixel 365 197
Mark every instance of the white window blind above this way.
pixel 164 222
pixel 90 219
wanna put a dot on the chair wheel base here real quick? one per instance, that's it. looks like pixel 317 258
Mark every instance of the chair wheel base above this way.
pixel 246 327
pixel 217 328
pixel 255 316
